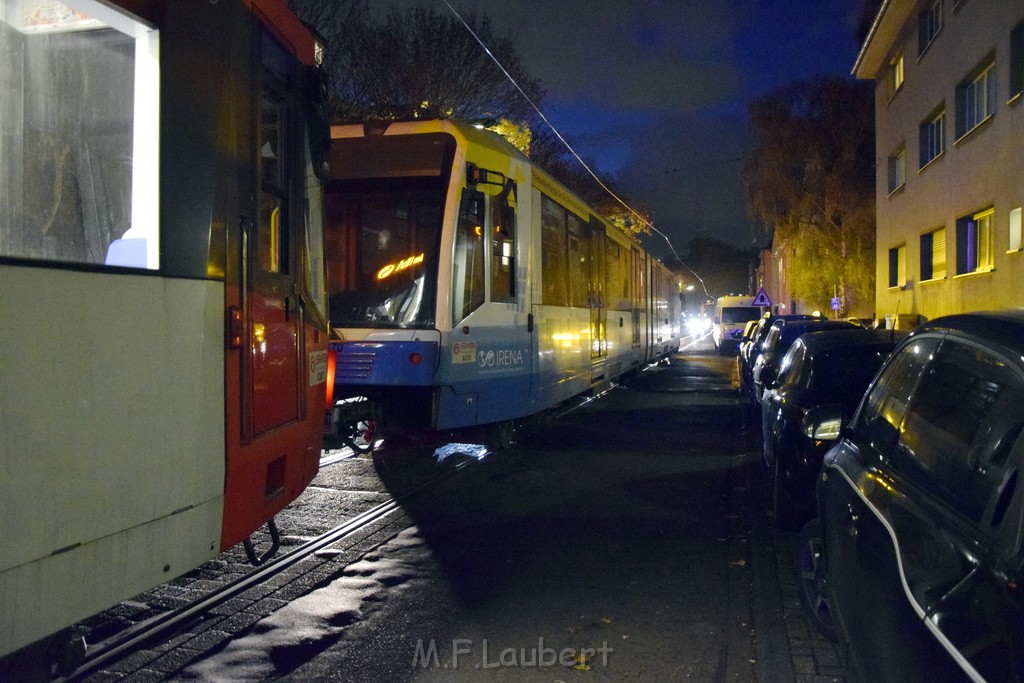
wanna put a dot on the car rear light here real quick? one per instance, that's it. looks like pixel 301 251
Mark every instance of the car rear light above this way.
pixel 415 358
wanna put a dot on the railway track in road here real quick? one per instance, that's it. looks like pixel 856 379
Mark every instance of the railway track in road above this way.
pixel 111 653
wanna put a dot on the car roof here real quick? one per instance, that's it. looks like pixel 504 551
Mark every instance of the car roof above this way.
pixel 819 340
pixel 797 328
pixel 1005 327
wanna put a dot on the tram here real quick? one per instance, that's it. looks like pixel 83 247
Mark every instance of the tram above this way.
pixel 468 287
pixel 163 350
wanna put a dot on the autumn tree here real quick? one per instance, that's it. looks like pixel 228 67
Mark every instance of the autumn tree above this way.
pixel 810 185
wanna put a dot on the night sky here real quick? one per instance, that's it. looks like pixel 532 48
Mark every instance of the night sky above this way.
pixel 655 92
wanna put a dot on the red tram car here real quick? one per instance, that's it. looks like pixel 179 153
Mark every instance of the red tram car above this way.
pixel 163 345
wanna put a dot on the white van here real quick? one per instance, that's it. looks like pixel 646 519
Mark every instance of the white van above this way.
pixel 731 314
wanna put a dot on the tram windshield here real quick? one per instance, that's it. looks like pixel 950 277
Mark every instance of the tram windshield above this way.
pixel 384 209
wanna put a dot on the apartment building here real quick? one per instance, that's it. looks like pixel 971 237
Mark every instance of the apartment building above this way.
pixel 949 78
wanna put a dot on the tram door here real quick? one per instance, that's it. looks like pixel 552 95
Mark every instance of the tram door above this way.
pixel 638 292
pixel 596 300
pixel 273 309
pixel 276 426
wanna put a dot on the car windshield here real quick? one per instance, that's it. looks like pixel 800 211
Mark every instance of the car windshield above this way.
pixel 740 314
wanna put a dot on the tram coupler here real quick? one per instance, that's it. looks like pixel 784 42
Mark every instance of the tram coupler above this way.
pixel 275 543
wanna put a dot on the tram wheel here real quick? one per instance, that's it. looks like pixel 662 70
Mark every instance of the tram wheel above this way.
pixel 359 434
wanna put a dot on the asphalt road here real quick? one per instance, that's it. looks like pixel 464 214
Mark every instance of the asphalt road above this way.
pixel 612 543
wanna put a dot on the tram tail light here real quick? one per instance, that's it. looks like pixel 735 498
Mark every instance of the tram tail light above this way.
pixel 415 358
pixel 234 328
pixel 332 361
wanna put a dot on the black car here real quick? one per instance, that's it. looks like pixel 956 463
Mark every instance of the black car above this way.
pixel 821 380
pixel 781 335
pixel 916 558
pixel 752 348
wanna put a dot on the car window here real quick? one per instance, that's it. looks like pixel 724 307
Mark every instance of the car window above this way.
pixel 791 369
pixel 961 425
pixel 850 366
pixel 771 339
pixel 885 405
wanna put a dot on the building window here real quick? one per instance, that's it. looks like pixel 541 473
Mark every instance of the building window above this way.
pixel 933 255
pixel 897 169
pixel 1015 242
pixel 898 266
pixel 929 23
pixel 1017 60
pixel 933 138
pixel 975 99
pixel 895 74
pixel 974 243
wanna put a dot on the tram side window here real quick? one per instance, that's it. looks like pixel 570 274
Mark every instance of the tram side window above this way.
pixel 78 136
pixel 555 290
pixel 272 244
pixel 617 282
pixel 468 266
pixel 503 259
pixel 579 271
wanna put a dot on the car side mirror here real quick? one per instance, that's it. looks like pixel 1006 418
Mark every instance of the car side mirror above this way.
pixel 824 423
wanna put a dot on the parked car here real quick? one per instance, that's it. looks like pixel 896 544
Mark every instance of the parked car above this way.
pixel 916 556
pixel 821 380
pixel 781 335
pixel 749 352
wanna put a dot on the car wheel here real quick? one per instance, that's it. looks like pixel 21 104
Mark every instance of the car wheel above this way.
pixel 809 569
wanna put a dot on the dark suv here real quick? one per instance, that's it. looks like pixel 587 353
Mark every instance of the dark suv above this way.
pixel 917 561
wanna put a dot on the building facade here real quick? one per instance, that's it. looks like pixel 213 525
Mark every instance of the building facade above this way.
pixel 949 78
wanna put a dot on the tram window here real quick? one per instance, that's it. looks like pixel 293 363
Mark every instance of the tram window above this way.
pixel 272 239
pixel 617 282
pixel 316 275
pixel 78 161
pixel 468 267
pixel 503 259
pixel 553 254
pixel 579 271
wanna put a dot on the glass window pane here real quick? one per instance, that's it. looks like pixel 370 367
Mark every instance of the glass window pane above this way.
pixel 78 137
pixel 271 158
pixel 270 239
pixel 553 254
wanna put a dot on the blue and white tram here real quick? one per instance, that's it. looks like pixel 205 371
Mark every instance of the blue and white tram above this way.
pixel 468 287
pixel 163 346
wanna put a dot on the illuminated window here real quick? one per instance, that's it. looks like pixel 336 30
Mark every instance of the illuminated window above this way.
pixel 1015 236
pixel 975 99
pixel 933 255
pixel 503 259
pixel 974 243
pixel 898 266
pixel 79 135
pixel 468 266
pixel 897 169
pixel 929 23
pixel 554 278
pixel 932 137
pixel 895 74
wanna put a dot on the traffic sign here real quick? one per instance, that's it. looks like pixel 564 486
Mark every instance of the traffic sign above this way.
pixel 835 303
pixel 761 299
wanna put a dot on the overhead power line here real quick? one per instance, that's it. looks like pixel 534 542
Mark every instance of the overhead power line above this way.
pixel 569 147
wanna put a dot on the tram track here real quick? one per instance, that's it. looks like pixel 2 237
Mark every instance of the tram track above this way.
pixel 162 626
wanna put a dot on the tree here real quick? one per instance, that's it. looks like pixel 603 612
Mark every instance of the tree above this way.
pixel 420 62
pixel 810 183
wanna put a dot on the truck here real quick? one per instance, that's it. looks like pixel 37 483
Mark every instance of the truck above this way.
pixel 732 313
